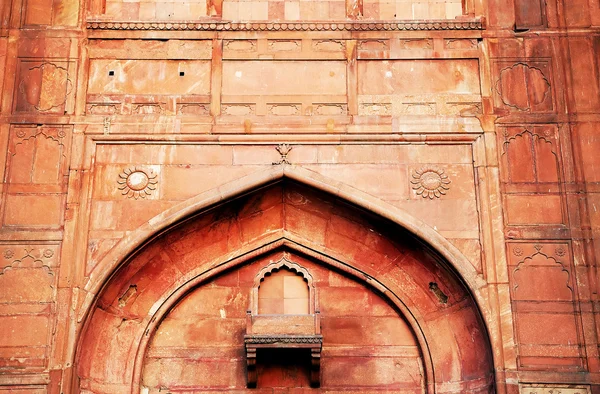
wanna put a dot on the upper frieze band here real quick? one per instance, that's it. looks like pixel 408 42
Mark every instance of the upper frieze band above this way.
pixel 474 24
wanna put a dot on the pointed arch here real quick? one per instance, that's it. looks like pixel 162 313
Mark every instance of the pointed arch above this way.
pixel 200 215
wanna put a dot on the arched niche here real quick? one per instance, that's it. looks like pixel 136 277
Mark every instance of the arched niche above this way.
pixel 358 322
pixel 446 323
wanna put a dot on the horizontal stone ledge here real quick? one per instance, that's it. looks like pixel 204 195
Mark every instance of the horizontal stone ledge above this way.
pixel 472 24
pixel 269 139
pixel 12 377
pixel 282 339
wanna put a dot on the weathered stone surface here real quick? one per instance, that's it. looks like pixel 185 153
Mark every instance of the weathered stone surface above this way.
pixel 433 163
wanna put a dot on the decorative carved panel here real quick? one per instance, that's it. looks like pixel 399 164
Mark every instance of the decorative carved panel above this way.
pixel 523 86
pixel 400 87
pixel 168 86
pixel 45 86
pixel 530 175
pixel 28 279
pixel 530 154
pixel 543 293
pixel 554 389
pixel 36 176
pixel 37 155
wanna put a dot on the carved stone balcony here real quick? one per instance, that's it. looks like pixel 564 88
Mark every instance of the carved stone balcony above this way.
pixel 283 330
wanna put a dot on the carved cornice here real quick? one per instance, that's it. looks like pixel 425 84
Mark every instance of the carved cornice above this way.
pixel 288 339
pixel 475 24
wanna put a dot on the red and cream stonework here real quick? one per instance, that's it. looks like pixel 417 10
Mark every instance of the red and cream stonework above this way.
pixel 428 171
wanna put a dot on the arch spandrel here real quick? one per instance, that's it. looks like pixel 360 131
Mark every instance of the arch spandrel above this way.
pixel 201 247
pixel 133 241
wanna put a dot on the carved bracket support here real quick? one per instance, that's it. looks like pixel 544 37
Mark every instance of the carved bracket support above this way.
pixel 315 367
pixel 251 367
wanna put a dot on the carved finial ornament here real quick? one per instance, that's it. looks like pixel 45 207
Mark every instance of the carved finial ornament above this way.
pixel 284 150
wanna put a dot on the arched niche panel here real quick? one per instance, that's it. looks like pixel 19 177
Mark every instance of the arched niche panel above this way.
pixel 436 304
pixel 531 157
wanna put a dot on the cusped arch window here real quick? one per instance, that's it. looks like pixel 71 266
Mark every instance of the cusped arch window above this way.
pixel 284 288
pixel 283 292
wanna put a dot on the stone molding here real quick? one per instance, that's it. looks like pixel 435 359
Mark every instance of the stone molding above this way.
pixel 287 339
pixel 474 24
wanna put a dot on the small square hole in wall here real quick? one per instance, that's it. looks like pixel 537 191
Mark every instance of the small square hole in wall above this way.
pixel 181 73
pixel 111 73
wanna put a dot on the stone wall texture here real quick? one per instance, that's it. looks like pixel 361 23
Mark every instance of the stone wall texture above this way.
pixel 430 168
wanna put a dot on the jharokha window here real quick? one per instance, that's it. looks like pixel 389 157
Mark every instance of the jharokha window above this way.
pixel 283 314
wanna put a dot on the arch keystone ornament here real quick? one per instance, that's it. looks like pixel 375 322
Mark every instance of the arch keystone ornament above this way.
pixel 283 150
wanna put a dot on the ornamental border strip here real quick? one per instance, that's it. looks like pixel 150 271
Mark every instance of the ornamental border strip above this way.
pixel 289 26
pixel 251 340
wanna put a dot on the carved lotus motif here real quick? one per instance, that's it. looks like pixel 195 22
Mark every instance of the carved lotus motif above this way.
pixel 136 183
pixel 517 251
pixel 430 182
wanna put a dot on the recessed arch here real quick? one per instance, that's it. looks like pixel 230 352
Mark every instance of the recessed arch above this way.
pixel 421 305
pixel 286 242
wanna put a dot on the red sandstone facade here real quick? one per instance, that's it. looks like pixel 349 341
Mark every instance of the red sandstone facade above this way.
pixel 283 196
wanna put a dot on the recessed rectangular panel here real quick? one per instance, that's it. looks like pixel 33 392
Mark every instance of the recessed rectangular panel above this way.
pixel 158 77
pixel 534 209
pixel 528 14
pixel 459 76
pixel 284 78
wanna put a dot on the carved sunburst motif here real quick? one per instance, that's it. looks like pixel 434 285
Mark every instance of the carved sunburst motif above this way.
pixel 430 182
pixel 136 183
